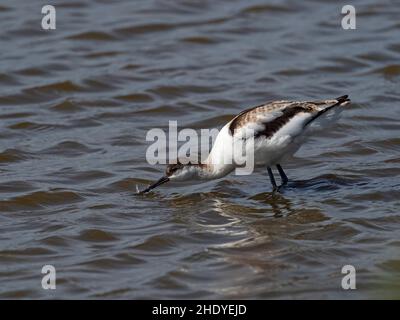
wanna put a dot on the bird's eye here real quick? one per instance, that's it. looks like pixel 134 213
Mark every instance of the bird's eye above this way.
pixel 171 170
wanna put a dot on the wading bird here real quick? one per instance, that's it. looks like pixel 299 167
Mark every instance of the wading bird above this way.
pixel 278 130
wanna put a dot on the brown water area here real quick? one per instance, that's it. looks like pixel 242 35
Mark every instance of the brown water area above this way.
pixel 76 104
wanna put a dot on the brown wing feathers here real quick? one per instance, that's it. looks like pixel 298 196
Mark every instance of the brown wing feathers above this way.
pixel 287 112
pixel 274 125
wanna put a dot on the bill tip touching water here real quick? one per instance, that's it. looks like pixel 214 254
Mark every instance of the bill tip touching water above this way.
pixel 269 133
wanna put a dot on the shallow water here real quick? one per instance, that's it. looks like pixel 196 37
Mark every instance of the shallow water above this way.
pixel 75 106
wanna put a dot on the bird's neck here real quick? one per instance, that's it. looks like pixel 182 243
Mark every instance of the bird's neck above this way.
pixel 219 162
pixel 212 170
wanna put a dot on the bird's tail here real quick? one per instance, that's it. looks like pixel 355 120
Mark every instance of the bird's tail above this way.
pixel 328 105
pixel 342 99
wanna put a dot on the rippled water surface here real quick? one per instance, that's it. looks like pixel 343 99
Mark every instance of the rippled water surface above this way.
pixel 76 104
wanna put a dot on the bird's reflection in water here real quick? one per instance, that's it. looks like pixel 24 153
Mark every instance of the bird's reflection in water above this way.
pixel 217 212
pixel 249 239
pixel 278 204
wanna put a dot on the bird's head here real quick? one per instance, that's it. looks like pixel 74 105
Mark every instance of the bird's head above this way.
pixel 177 172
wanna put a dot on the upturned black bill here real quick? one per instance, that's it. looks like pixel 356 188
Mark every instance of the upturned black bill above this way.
pixel 155 184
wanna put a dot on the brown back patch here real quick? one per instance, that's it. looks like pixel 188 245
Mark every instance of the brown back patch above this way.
pixel 274 125
pixel 288 110
pixel 251 114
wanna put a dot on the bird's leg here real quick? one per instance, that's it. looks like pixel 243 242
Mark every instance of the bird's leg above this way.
pixel 272 178
pixel 283 175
